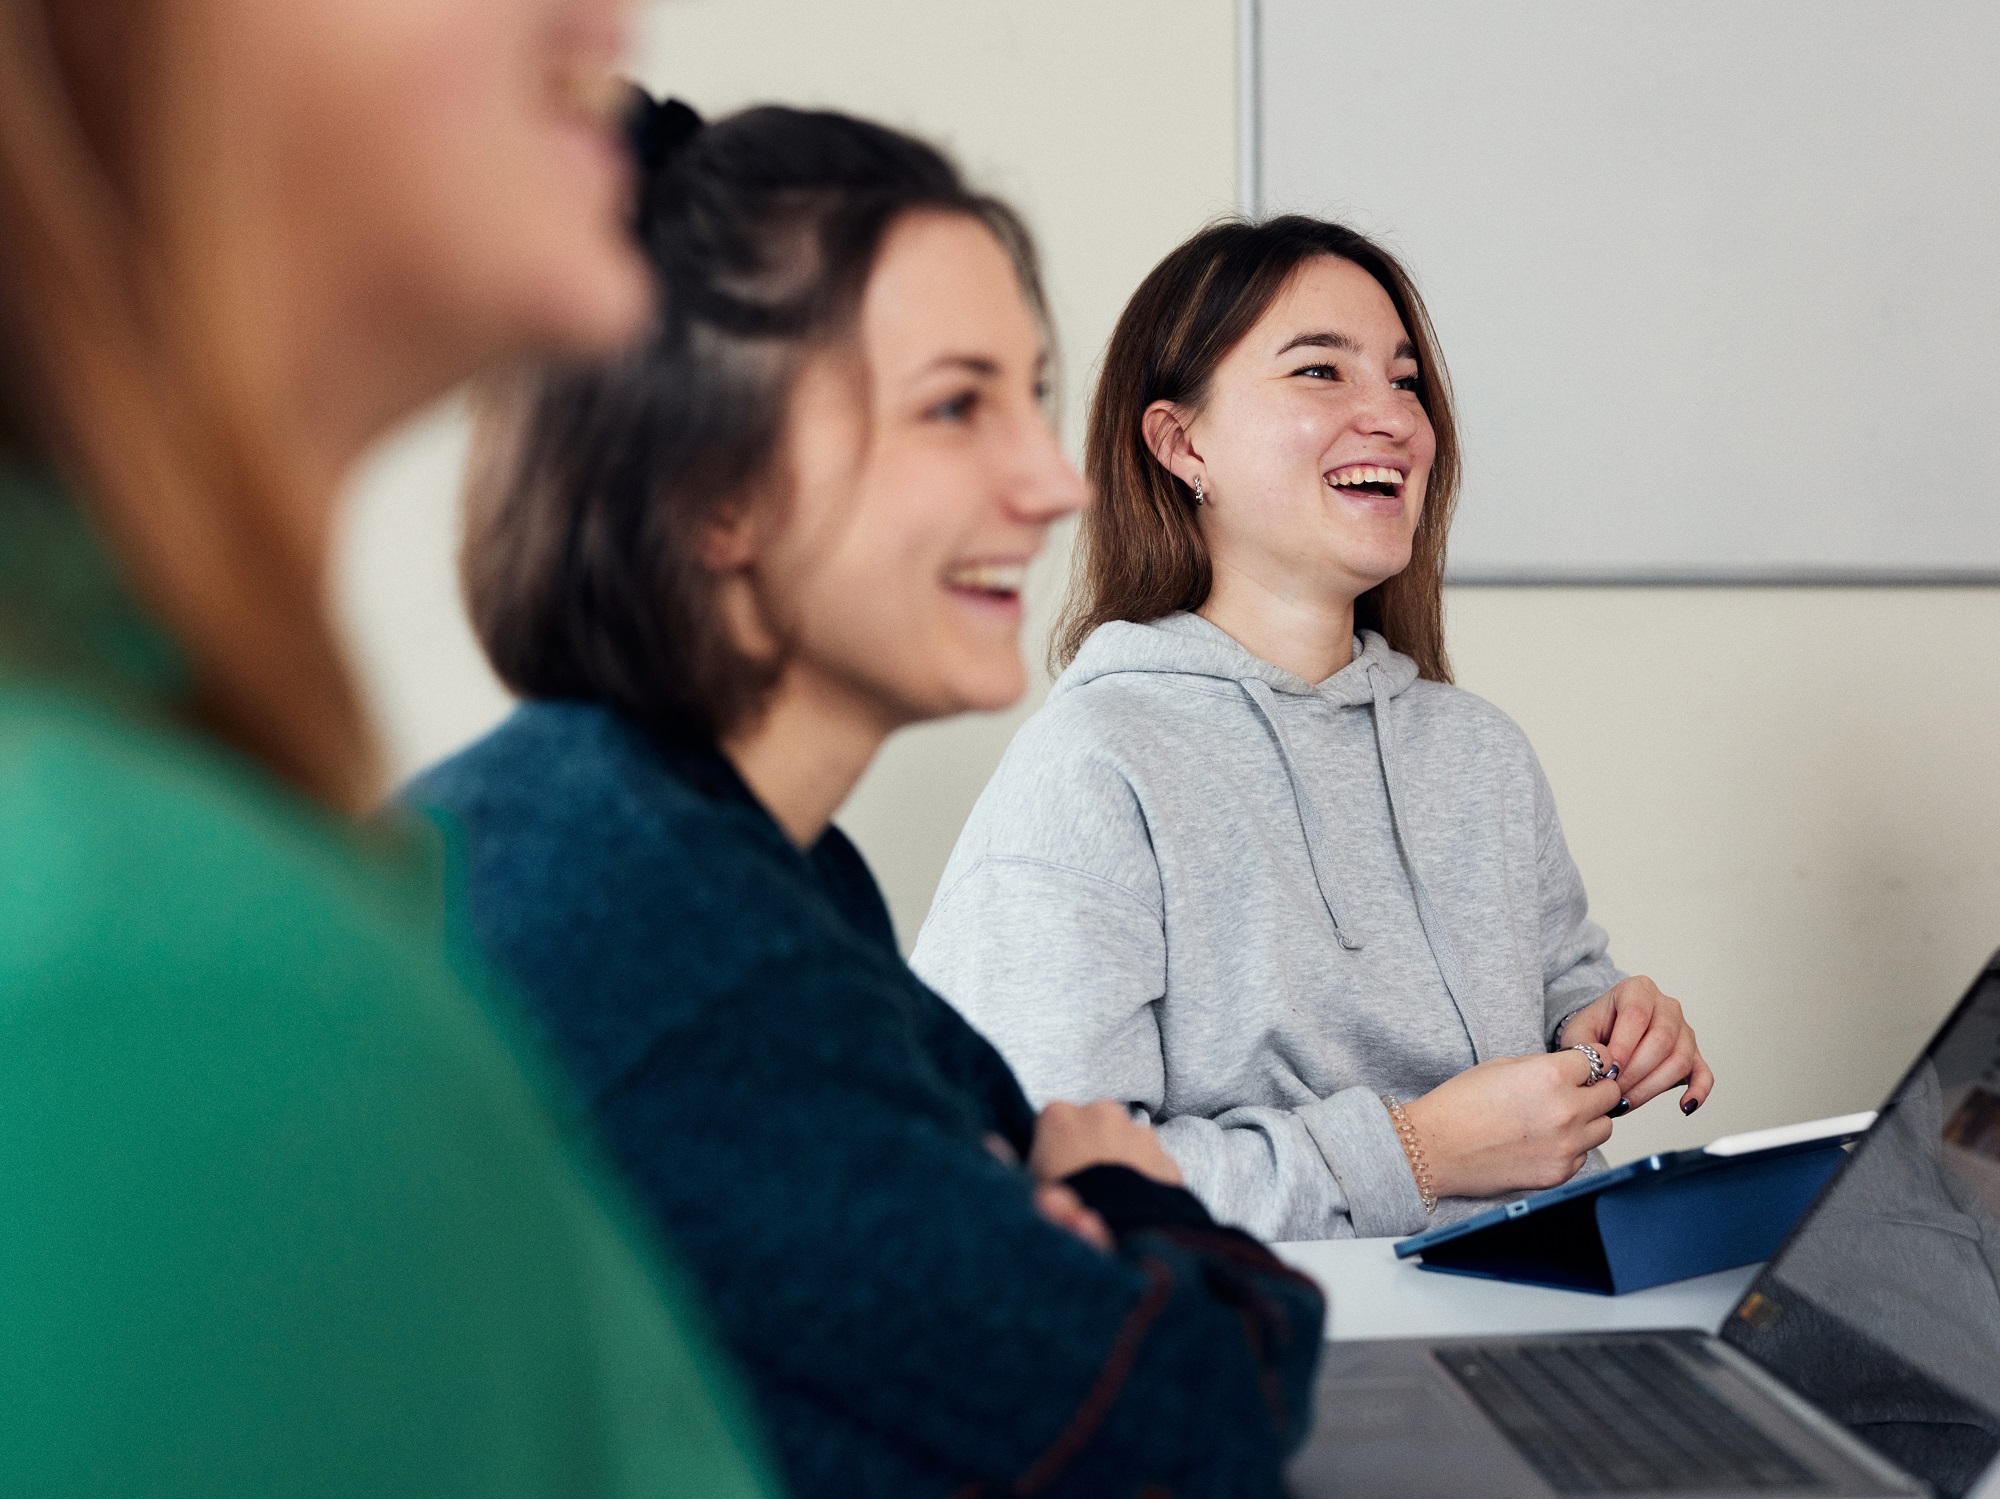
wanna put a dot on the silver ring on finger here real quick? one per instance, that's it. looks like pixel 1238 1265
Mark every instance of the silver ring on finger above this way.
pixel 1598 1071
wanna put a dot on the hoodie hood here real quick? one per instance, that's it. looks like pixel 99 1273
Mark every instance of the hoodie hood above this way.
pixel 1188 645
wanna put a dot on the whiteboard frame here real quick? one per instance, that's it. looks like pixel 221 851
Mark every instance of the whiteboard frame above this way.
pixel 1250 203
pixel 1249 110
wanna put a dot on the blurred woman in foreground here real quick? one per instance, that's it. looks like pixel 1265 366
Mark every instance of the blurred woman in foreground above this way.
pixel 723 570
pixel 281 1214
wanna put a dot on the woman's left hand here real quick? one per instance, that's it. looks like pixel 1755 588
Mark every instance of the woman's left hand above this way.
pixel 1644 1034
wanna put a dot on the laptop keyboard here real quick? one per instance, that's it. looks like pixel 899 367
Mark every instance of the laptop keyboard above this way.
pixel 1617 1416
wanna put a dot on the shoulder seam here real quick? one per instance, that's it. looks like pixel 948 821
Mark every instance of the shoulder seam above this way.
pixel 1179 681
pixel 983 860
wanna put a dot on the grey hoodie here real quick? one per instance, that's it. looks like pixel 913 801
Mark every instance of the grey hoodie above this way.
pixel 1249 906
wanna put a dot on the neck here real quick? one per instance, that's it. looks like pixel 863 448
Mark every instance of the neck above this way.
pixel 328 434
pixel 334 385
pixel 1312 637
pixel 804 754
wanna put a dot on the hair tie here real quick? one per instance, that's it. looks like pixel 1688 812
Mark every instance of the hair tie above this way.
pixel 658 130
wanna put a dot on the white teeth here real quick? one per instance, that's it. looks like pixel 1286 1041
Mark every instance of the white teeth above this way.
pixel 990 577
pixel 1362 473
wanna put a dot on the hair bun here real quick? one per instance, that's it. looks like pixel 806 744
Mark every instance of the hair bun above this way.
pixel 658 130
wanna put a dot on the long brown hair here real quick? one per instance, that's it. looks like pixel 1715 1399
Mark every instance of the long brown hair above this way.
pixel 112 375
pixel 1140 552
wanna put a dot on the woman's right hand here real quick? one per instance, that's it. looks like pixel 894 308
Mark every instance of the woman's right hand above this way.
pixel 1072 1136
pixel 1513 1123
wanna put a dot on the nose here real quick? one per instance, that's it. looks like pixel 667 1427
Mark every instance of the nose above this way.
pixel 1046 486
pixel 1387 412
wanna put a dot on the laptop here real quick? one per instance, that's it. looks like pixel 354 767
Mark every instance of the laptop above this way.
pixel 1864 1360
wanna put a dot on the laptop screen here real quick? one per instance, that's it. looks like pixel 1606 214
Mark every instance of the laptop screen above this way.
pixel 1883 1307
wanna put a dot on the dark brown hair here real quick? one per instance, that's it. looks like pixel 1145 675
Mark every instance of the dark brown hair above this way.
pixel 141 400
pixel 593 488
pixel 1140 553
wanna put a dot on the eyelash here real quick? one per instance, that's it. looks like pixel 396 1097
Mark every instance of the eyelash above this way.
pixel 960 407
pixel 1411 383
pixel 955 408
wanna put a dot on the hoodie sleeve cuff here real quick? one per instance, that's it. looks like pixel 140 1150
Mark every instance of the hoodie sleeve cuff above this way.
pixel 1358 1140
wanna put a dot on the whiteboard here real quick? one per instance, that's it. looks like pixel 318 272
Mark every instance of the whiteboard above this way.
pixel 1718 281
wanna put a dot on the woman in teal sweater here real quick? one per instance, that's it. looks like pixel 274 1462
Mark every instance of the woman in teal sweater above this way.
pixel 726 568
pixel 282 1215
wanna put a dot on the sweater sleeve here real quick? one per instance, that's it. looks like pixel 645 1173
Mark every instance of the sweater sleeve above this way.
pixel 1062 969
pixel 1576 958
pixel 815 1176
pixel 1333 1169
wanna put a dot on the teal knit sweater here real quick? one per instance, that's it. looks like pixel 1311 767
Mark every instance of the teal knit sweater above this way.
pixel 812 1127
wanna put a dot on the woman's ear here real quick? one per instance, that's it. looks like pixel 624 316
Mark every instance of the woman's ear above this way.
pixel 729 542
pixel 1165 427
pixel 730 547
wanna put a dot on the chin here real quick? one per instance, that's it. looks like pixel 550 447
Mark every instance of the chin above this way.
pixel 989 687
pixel 599 304
pixel 1384 565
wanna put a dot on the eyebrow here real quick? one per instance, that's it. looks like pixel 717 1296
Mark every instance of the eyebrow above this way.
pixel 1404 350
pixel 974 364
pixel 983 366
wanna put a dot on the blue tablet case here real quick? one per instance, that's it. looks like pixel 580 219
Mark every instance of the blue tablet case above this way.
pixel 1667 1217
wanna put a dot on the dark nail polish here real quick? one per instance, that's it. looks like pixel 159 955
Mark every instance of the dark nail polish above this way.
pixel 1689 1105
pixel 1612 1072
pixel 1624 1108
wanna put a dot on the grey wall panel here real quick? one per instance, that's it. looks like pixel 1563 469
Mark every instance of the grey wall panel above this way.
pixel 1718 280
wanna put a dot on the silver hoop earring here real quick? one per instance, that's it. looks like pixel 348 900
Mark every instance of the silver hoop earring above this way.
pixel 1199 497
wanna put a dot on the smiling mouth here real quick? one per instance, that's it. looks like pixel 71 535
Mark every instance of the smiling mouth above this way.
pixel 992 580
pixel 1367 479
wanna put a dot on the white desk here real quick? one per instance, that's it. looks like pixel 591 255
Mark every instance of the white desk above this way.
pixel 1372 1294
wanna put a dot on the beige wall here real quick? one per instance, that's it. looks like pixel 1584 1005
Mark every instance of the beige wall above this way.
pixel 1784 802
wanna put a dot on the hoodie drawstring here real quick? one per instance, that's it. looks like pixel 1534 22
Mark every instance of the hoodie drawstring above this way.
pixel 1428 917
pixel 1320 853
pixel 1317 851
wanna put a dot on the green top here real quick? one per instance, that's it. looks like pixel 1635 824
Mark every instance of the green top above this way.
pixel 279 1213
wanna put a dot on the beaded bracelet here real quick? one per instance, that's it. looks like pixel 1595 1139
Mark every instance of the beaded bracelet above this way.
pixel 1414 1149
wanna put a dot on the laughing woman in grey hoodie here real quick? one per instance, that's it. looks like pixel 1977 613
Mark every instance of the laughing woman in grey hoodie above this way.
pixel 1257 869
